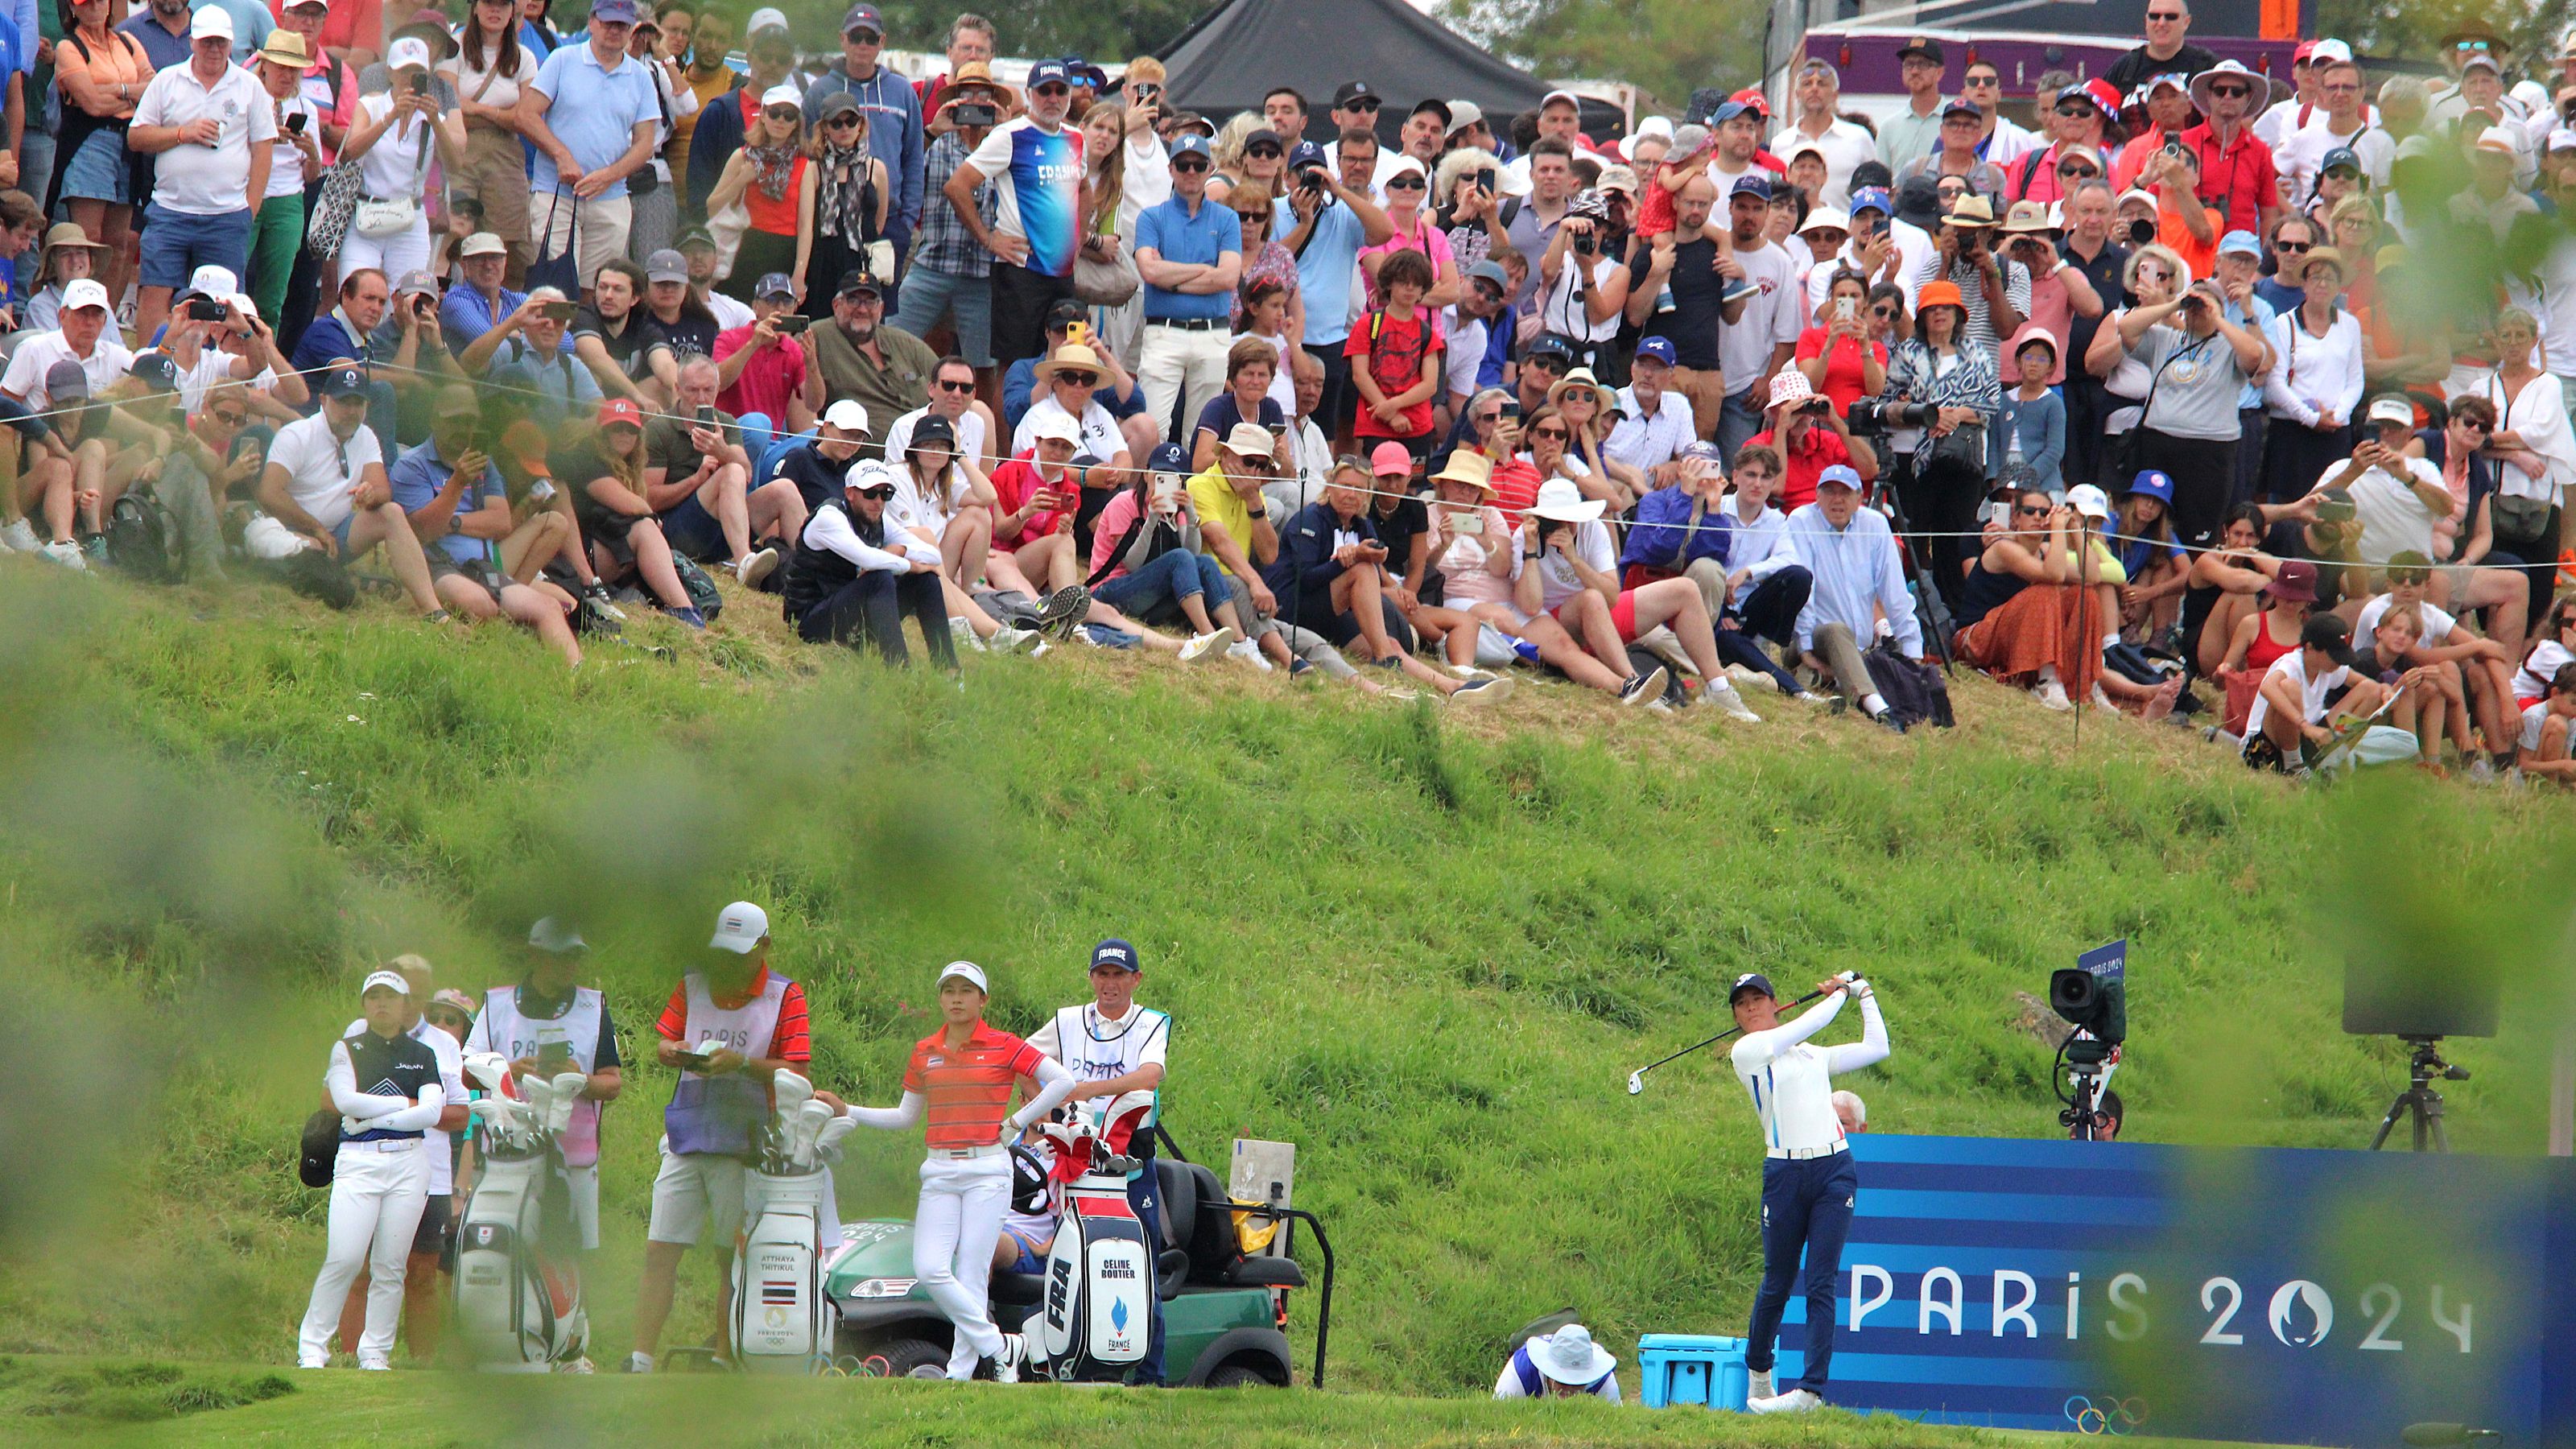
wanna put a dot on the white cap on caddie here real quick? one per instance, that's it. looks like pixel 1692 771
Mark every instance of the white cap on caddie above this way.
pixel 966 971
pixel 740 927
pixel 393 979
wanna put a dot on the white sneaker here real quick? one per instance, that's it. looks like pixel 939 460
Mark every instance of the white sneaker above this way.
pixel 1207 646
pixel 2102 700
pixel 374 1366
pixel 1758 1385
pixel 638 1362
pixel 2051 695
pixel 66 554
pixel 1007 640
pixel 313 1363
pixel 960 631
pixel 1248 651
pixel 1751 678
pixel 20 538
pixel 1796 1401
pixel 1006 1367
pixel 755 566
pixel 1729 703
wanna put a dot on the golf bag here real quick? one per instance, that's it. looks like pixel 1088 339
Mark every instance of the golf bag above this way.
pixel 518 1280
pixel 782 1322
pixel 1094 1323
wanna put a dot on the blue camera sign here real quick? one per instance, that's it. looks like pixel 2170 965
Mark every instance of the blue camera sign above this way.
pixel 2288 1297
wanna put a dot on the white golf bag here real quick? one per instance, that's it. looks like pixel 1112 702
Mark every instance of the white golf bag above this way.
pixel 1094 1323
pixel 782 1321
pixel 518 1276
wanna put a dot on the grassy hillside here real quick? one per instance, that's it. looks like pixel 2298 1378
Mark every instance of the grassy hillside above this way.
pixel 1427 948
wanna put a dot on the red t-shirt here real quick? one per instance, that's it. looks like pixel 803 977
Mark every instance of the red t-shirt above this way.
pixel 1515 483
pixel 1817 450
pixel 1843 379
pixel 768 380
pixel 1394 351
pixel 1013 482
pixel 969 1090
pixel 790 1042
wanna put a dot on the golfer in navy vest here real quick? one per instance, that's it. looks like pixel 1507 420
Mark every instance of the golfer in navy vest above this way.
pixel 1808 1183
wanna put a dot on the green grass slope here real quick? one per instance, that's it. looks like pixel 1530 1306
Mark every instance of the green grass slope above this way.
pixel 1427 948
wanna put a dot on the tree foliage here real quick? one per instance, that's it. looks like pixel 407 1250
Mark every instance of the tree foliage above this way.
pixel 1664 47
pixel 2413 29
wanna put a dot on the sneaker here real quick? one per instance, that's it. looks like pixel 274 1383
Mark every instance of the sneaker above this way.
pixel 1741 287
pixel 637 1363
pixel 1643 688
pixel 1758 1385
pixel 1300 668
pixel 689 616
pixel 93 546
pixel 599 596
pixel 754 566
pixel 2051 695
pixel 959 630
pixel 1007 640
pixel 1887 720
pixel 1659 705
pixel 1481 691
pixel 1751 678
pixel 1006 1365
pixel 66 554
pixel 1248 651
pixel 2481 771
pixel 2102 700
pixel 1470 671
pixel 20 538
pixel 374 1366
pixel 313 1363
pixel 1064 609
pixel 1796 1401
pixel 1729 703
pixel 1207 646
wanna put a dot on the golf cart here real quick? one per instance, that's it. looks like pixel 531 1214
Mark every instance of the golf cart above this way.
pixel 1224 1315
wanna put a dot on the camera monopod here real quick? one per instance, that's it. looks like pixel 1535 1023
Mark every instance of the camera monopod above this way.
pixel 1637 1078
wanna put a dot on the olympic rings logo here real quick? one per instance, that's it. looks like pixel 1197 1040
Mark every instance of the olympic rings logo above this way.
pixel 2114 1416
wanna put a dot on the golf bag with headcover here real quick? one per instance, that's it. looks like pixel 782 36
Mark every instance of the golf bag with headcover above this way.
pixel 1094 1323
pixel 782 1320
pixel 518 1276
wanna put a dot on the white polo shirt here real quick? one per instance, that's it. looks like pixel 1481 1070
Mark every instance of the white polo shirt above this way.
pixel 207 180
pixel 2312 692
pixel 322 471
pixel 38 352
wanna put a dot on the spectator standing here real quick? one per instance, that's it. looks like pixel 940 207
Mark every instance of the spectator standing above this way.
pixel 894 124
pixel 1842 144
pixel 722 124
pixel 853 197
pixel 591 113
pixel 2237 174
pixel 1959 151
pixel 1913 132
pixel 951 274
pixel 2032 420
pixel 1327 224
pixel 1842 362
pixel 101 177
pixel 489 71
pixel 1683 265
pixel 1946 480
pixel 394 138
pixel 2342 125
pixel 209 125
pixel 1757 342
pixel 1810 436
pixel 295 163
pixel 2197 372
pixel 773 180
pixel 2167 48
pixel 2315 383
pixel 1190 254
pixel 1036 165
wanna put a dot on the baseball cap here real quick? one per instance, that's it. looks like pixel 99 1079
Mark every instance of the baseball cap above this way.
pixel 1658 348
pixel 785 93
pixel 2153 483
pixel 1390 460
pixel 1055 425
pixel 1049 72
pixel 1307 153
pixel 154 370
pixel 1561 94
pixel 857 280
pixel 65 379
pixel 2481 57
pixel 1750 981
pixel 2241 244
pixel 417 284
pixel 966 971
pixel 1549 345
pixel 2343 156
pixel 2392 409
pixel 1463 114
pixel 739 927
pixel 213 22
pixel 1189 145
pixel 863 16
pixel 1749 184
pixel 1350 91
pixel 1115 952
pixel 771 284
pixel 410 52
pixel 555 934
pixel 849 415
pixel 483 244
pixel 2296 583
pixel 667 265
pixel 1962 106
pixel 619 11
pixel 391 979
pixel 1728 111
pixel 1084 73
pixel 620 410
pixel 1702 450
pixel 1870 198
pixel 1924 46
pixel 1490 271
pixel 2497 141
pixel 767 17
pixel 695 236
pixel 344 382
pixel 212 280
pixel 2088 500
pixel 2329 49
pixel 2329 636
pixel 1066 312
pixel 932 428
pixel 1843 477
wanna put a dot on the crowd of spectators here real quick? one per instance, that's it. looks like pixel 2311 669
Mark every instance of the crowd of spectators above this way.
pixel 560 316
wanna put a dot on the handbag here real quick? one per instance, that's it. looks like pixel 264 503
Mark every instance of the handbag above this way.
pixel 726 227
pixel 1106 284
pixel 2512 516
pixel 342 188
pixel 2125 453
pixel 562 270
pixel 378 217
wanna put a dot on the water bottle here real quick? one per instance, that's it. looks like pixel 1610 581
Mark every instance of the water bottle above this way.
pixel 1526 650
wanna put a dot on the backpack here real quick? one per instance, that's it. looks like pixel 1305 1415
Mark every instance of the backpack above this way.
pixel 701 589
pixel 1913 688
pixel 142 541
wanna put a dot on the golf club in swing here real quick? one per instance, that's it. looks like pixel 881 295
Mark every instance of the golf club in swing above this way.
pixel 1637 1078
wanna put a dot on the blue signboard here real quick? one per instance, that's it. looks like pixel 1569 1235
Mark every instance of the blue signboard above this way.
pixel 2287 1297
pixel 2108 963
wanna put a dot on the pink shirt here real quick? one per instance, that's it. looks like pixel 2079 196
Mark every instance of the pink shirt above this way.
pixel 2051 313
pixel 1425 238
pixel 768 380
pixel 1109 531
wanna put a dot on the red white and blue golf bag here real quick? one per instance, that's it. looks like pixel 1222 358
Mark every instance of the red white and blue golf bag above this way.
pixel 1094 1322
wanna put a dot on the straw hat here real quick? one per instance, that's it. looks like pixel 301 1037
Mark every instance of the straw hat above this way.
pixel 60 235
pixel 1581 378
pixel 1468 466
pixel 1074 357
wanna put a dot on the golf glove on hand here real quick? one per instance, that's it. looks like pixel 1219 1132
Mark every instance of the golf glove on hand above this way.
pixel 1858 989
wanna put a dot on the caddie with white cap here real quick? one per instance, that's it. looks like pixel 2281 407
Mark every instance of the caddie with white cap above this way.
pixel 1560 1365
pixel 730 1026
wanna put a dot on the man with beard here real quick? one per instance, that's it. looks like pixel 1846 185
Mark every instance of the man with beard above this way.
pixel 886 369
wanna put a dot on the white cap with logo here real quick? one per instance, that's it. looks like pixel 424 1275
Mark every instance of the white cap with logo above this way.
pixel 391 979
pixel 966 971
pixel 740 927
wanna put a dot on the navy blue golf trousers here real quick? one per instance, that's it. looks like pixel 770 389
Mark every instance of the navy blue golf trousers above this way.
pixel 1806 1208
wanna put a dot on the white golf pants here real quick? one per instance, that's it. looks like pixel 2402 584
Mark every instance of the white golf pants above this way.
pixel 376 1201
pixel 1184 366
pixel 953 1231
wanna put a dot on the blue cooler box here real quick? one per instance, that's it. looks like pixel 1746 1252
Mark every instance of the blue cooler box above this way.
pixel 1691 1368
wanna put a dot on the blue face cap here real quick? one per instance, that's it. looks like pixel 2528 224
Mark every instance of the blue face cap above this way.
pixel 1049 70
pixel 344 382
pixel 1703 452
pixel 1114 951
pixel 1658 348
pixel 1870 198
pixel 1751 983
pixel 1169 458
pixel 1307 154
pixel 1839 474
pixel 2241 244
pixel 1189 144
pixel 2152 484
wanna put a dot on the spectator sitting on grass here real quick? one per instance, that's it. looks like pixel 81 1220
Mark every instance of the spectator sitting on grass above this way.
pixel 2554 648
pixel 604 473
pixel 2025 615
pixel 2427 695
pixel 854 576
pixel 1330 577
pixel 697 477
pixel 326 481
pixel 2480 667
pixel 2225 587
pixel 2305 695
pixel 1565 572
pixel 1857 588
pixel 1766 586
pixel 2542 749
pixel 2154 568
pixel 460 512
pixel 1147 558
pixel 1468 548
pixel 1231 498
pixel 938 505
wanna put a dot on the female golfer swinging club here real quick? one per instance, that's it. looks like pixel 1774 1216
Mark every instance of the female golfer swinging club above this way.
pixel 965 1071
pixel 1807 1177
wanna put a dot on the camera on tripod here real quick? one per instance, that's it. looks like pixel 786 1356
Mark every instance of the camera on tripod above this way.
pixel 2092 996
pixel 1878 416
pixel 2419 1003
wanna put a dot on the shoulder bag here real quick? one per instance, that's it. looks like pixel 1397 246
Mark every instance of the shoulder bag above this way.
pixel 1108 283
pixel 2511 515
pixel 378 217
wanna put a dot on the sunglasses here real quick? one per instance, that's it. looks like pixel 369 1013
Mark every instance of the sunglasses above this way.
pixel 448 1019
pixel 2073 108
pixel 1884 314
pixel 1559 434
pixel 2029 508
pixel 2078 168
pixel 1491 418
pixel 782 113
pixel 2229 92
pixel 846 118
pixel 2291 246
pixel 225 419
pixel 1405 183
pixel 1190 163
pixel 2473 425
pixel 1079 379
pixel 1254 218
pixel 1364 103
pixel 1547 364
pixel 1267 153
pixel 881 493
pixel 950 385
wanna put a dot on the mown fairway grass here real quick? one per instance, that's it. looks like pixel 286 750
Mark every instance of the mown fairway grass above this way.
pixel 1425 947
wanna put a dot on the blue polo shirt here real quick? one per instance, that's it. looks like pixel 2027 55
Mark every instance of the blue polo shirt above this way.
pixel 1201 240
pixel 1324 267
pixel 415 478
pixel 463 316
pixel 594 112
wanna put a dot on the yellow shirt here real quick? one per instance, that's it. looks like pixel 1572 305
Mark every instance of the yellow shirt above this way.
pixel 1218 503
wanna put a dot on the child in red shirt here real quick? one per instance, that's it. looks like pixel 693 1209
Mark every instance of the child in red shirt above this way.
pixel 1397 355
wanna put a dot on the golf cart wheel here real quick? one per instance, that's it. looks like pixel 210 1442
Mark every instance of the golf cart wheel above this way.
pixel 914 1358
pixel 1239 1376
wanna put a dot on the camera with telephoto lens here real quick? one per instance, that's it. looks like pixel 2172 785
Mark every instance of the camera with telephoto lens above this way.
pixel 2098 1005
pixel 2141 232
pixel 1876 416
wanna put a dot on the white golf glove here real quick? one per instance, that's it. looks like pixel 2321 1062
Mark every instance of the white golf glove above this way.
pixel 1856 988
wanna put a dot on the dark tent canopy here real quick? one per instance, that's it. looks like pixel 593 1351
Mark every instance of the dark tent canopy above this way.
pixel 1231 55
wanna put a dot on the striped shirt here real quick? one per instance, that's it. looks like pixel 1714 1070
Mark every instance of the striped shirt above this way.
pixel 969 1089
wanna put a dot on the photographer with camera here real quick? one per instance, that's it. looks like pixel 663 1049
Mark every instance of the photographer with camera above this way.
pixel 764 374
pixel 2198 364
pixel 1944 467
pixel 1810 437
pixel 1583 284
pixel 1326 226
pixel 461 514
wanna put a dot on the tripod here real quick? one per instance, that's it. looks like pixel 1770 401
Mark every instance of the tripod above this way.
pixel 2420 1103
pixel 1929 606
